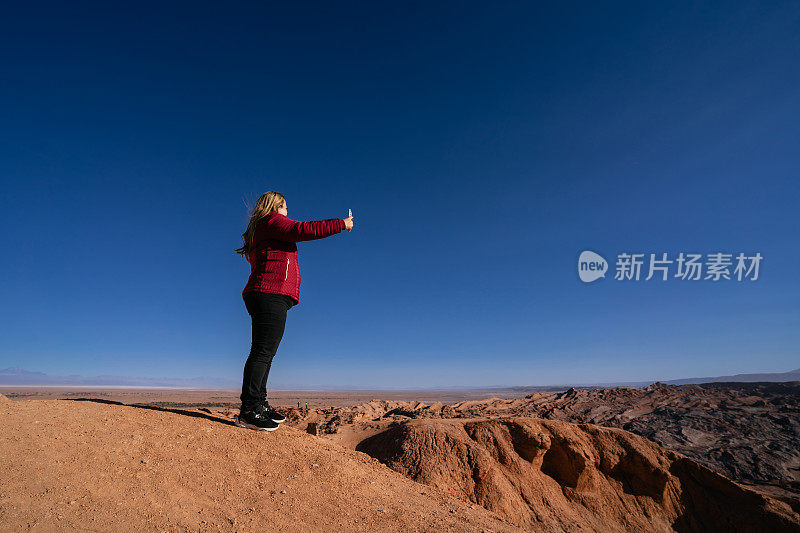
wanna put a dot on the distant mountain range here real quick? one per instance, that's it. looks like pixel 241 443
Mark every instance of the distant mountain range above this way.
pixel 792 375
pixel 20 376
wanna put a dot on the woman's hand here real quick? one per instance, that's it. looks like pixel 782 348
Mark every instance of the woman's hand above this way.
pixel 348 223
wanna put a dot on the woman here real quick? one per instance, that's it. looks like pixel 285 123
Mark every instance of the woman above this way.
pixel 273 288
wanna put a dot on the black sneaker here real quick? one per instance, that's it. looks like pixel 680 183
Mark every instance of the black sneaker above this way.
pixel 271 413
pixel 255 419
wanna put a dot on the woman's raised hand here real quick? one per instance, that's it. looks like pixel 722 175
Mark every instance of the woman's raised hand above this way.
pixel 348 223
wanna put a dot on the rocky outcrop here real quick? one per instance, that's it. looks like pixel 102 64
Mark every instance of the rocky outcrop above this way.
pixel 555 476
pixel 749 432
pixel 93 465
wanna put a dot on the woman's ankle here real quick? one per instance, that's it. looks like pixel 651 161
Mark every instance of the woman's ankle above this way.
pixel 248 406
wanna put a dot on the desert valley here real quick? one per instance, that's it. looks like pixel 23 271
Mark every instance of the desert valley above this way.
pixel 716 456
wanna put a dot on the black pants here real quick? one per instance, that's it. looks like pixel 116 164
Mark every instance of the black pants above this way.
pixel 268 315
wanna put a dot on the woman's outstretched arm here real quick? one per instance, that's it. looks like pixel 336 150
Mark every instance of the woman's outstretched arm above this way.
pixel 282 228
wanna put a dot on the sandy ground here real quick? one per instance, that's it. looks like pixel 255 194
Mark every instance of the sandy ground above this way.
pixel 91 466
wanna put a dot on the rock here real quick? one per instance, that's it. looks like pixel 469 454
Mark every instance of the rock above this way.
pixel 749 432
pixel 561 476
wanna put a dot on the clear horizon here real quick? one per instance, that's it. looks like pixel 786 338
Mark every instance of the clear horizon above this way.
pixel 480 147
pixel 346 388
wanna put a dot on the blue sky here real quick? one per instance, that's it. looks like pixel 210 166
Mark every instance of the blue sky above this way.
pixel 481 147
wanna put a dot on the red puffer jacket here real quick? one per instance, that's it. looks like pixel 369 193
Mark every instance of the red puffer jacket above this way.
pixel 273 253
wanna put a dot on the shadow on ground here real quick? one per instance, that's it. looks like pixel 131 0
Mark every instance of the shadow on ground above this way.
pixel 205 414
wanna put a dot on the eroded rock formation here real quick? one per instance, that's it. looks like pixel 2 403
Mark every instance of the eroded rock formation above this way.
pixel 552 475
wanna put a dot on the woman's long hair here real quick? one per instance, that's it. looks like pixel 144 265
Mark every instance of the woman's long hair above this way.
pixel 268 202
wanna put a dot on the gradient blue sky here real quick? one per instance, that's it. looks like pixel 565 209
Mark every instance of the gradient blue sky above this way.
pixel 481 147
